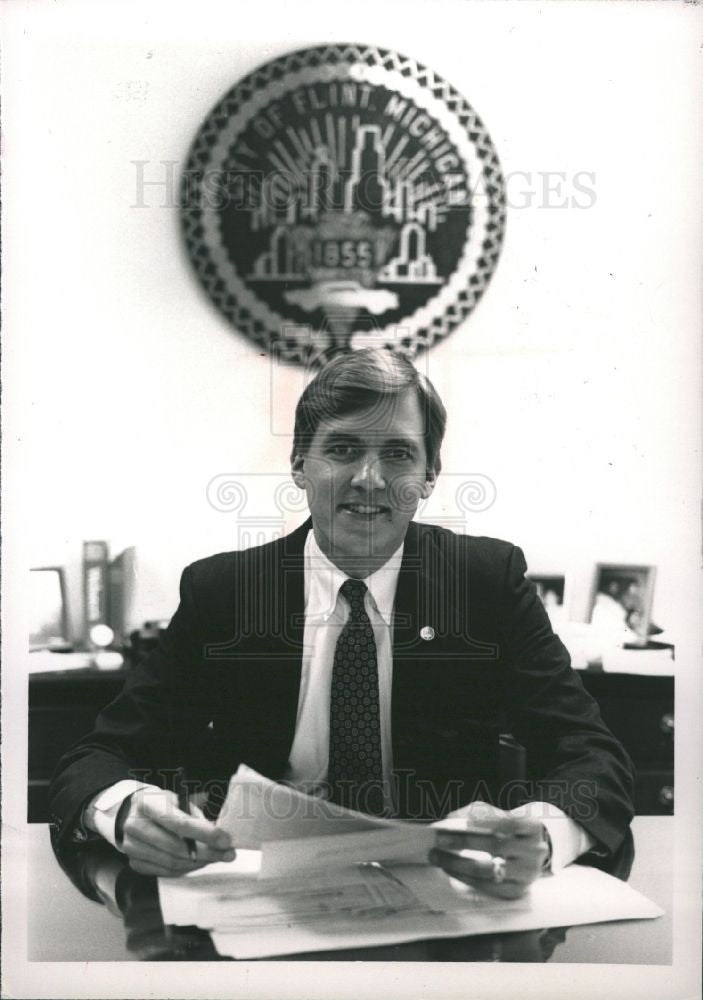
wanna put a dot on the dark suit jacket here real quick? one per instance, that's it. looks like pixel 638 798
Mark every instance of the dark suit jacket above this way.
pixel 222 688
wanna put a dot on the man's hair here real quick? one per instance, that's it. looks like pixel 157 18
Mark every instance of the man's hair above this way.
pixel 371 380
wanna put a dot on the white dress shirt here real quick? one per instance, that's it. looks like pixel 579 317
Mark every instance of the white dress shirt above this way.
pixel 326 612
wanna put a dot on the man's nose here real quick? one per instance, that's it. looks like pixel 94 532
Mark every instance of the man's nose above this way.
pixel 369 474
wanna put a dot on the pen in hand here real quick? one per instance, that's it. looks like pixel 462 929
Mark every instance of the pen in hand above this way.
pixel 183 805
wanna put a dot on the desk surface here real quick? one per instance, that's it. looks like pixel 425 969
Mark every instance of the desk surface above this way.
pixel 65 925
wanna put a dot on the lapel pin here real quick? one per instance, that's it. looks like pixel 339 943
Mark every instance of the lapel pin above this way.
pixel 427 632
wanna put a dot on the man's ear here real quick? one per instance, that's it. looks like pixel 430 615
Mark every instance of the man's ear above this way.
pixel 297 472
pixel 429 484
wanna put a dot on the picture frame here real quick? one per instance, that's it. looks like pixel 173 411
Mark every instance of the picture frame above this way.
pixel 621 601
pixel 551 588
pixel 554 592
pixel 49 624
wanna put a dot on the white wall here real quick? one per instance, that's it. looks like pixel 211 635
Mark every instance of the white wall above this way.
pixel 574 386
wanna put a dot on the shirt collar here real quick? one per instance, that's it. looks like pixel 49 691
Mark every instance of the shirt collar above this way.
pixel 323 580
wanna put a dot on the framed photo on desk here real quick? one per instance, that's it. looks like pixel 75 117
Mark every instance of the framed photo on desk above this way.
pixel 621 598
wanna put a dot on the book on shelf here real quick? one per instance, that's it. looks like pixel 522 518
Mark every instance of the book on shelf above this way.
pixel 122 576
pixel 96 607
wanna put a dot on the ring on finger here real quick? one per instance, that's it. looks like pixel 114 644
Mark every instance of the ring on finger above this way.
pixel 498 865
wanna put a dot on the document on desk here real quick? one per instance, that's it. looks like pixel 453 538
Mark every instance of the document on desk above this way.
pixel 297 832
pixel 310 876
pixel 368 905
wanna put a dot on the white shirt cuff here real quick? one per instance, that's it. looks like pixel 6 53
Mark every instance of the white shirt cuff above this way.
pixel 100 813
pixel 569 839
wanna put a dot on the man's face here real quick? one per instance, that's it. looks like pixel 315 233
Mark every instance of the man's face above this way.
pixel 364 475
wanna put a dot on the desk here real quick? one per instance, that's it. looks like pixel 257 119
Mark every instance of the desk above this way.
pixel 62 708
pixel 639 710
pixel 65 925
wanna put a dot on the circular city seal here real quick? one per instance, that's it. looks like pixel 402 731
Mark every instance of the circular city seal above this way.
pixel 340 197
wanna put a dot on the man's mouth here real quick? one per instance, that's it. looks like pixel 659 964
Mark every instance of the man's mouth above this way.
pixel 364 509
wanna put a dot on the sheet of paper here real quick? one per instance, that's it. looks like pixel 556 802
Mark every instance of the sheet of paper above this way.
pixel 331 914
pixel 357 892
pixel 577 894
pixel 352 907
pixel 180 897
pixel 405 842
pixel 369 905
pixel 297 831
pixel 258 810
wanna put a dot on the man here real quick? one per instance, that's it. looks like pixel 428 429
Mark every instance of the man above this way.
pixel 366 658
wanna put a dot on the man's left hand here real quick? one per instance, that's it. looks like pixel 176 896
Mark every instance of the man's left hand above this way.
pixel 515 850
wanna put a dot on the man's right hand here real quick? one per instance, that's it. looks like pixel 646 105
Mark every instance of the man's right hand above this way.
pixel 153 830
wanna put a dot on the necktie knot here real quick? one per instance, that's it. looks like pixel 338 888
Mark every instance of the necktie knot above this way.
pixel 354 591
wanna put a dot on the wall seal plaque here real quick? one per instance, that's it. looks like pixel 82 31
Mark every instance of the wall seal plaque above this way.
pixel 340 197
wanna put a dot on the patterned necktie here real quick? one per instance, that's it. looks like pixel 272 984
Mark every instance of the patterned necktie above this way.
pixel 355 767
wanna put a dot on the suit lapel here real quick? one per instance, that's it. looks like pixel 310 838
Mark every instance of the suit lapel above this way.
pixel 418 644
pixel 291 591
pixel 423 601
pixel 269 661
pixel 443 691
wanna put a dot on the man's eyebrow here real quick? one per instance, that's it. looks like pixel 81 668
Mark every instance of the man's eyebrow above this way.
pixel 345 437
pixel 401 442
